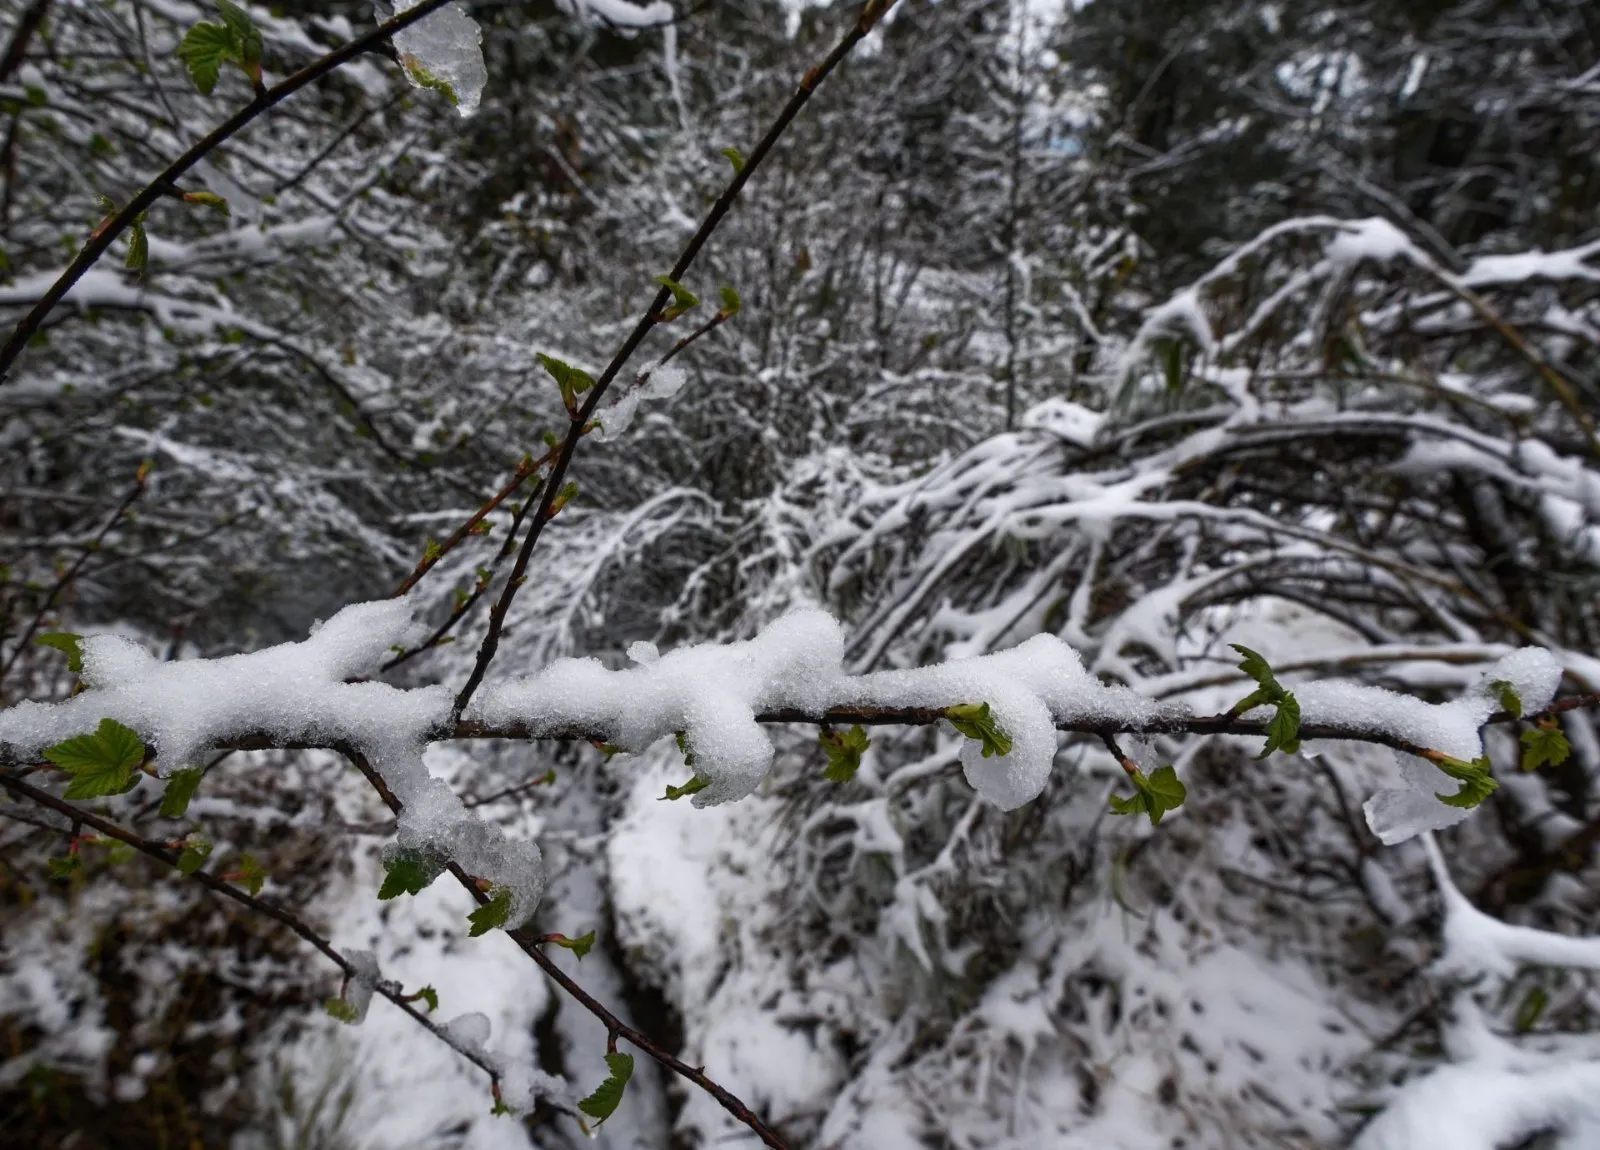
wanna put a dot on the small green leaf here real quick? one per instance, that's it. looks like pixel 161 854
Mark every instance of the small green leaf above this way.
pixel 731 303
pixel 181 786
pixel 844 752
pixel 1510 701
pixel 735 157
pixel 408 871
pixel 1283 732
pixel 37 96
pixel 344 1011
pixel 491 914
pixel 568 492
pixel 431 550
pixel 430 996
pixel 1161 792
pixel 1544 745
pixel 603 1103
pixel 1252 663
pixel 245 37
pixel 692 787
pixel 975 721
pixel 250 875
pixel 68 643
pixel 194 854
pixel 579 946
pixel 203 50
pixel 569 379
pixel 207 200
pixel 682 299
pixel 65 867
pixel 138 257
pixel 423 78
pixel 103 763
pixel 1477 781
pixel 1531 1009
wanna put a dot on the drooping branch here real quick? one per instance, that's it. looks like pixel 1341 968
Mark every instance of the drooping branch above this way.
pixel 105 234
pixel 532 944
pixel 279 914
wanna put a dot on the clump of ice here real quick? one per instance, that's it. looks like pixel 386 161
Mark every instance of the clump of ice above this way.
pixel 1402 813
pixel 663 382
pixel 1455 728
pixel 444 47
pixel 363 981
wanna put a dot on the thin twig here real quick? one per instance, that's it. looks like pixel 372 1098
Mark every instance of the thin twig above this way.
pixel 655 314
pixel 278 914
pixel 101 238
pixel 531 944
pixel 67 577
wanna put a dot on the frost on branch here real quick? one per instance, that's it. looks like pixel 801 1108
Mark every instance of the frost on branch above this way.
pixel 713 694
pixel 443 51
pixel 1529 677
pixel 292 693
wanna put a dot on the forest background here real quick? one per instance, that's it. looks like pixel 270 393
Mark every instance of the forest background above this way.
pixel 1155 325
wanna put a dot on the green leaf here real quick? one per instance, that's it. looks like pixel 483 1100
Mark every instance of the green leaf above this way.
pixel 603 1103
pixel 491 914
pixel 1531 1008
pixel 1283 732
pixel 207 200
pixel 735 157
pixel 181 786
pixel 65 867
pixel 1161 792
pixel 250 875
pixel 246 38
pixel 1510 701
pixel 579 946
pixel 731 303
pixel 423 78
pixel 844 752
pixel 408 871
pixel 430 996
pixel 1477 781
pixel 569 379
pixel 344 1011
pixel 568 492
pixel 1544 745
pixel 138 257
pixel 194 854
pixel 67 642
pixel 692 787
pixel 975 721
pixel 102 763
pixel 1170 353
pixel 682 299
pixel 203 50
pixel 1252 663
